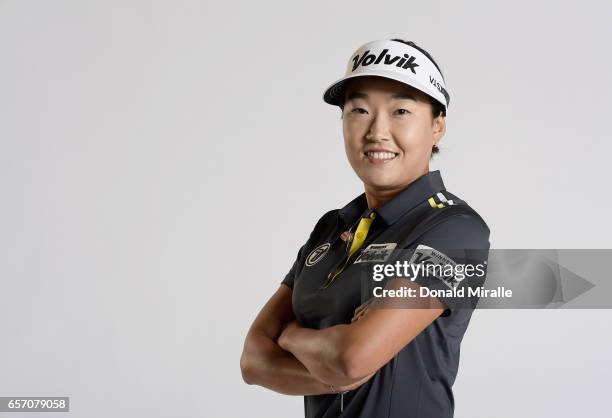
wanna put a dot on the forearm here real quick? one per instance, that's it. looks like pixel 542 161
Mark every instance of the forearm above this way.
pixel 321 352
pixel 266 364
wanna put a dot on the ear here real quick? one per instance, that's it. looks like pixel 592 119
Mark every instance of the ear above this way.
pixel 438 128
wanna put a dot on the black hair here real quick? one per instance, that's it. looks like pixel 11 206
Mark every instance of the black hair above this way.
pixel 437 108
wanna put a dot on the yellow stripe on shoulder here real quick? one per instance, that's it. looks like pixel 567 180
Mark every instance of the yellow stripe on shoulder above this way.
pixel 435 204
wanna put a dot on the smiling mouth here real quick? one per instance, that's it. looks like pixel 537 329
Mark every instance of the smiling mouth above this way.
pixel 380 157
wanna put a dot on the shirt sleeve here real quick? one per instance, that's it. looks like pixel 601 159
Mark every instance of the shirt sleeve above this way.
pixel 454 256
pixel 290 276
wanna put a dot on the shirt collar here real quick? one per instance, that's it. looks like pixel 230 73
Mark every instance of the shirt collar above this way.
pixel 410 197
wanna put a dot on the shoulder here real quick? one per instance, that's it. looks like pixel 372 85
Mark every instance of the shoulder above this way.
pixel 323 224
pixel 328 220
pixel 456 224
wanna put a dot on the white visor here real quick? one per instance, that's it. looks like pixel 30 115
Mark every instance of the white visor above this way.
pixel 394 60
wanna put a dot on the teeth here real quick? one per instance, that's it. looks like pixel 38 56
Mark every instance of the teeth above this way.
pixel 381 155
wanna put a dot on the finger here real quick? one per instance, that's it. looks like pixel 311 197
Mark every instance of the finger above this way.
pixel 359 315
pixel 367 303
pixel 363 306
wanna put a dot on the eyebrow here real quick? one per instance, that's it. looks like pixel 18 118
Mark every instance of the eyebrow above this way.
pixel 362 95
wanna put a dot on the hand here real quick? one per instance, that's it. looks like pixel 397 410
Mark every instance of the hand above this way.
pixel 285 336
pixel 361 310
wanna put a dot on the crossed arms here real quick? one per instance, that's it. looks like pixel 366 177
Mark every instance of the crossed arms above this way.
pixel 283 356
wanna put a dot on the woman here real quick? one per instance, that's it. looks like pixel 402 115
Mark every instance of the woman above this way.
pixel 319 335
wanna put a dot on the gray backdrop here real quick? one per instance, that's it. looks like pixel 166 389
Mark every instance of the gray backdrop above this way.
pixel 162 162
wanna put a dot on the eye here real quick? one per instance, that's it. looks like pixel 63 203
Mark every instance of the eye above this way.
pixel 403 111
pixel 359 110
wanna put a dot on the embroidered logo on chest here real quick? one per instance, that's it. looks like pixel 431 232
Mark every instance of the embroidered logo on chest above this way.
pixel 375 253
pixel 317 254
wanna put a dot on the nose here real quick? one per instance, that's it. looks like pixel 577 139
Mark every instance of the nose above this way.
pixel 379 129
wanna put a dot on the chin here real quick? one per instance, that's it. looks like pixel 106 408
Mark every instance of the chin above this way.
pixel 380 182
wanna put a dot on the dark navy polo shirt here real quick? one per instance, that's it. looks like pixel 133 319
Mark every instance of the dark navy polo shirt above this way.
pixel 417 382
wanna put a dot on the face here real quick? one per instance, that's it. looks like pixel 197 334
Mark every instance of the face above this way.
pixel 388 131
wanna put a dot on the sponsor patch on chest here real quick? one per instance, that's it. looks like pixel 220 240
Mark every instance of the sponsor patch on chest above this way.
pixel 376 253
